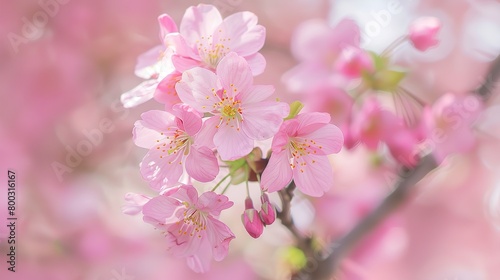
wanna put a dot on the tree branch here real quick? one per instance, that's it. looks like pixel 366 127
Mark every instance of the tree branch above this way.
pixel 327 265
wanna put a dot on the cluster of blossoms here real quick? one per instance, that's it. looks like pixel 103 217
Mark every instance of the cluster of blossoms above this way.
pixel 335 75
pixel 203 73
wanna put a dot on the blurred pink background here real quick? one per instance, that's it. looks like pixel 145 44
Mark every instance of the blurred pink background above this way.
pixel 64 65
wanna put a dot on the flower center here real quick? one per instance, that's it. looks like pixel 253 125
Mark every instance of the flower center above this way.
pixel 179 141
pixel 299 148
pixel 194 222
pixel 212 53
pixel 228 111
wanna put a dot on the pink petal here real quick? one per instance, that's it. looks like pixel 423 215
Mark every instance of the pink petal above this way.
pixel 146 66
pixel 190 120
pixel 167 25
pixel 158 120
pixel 201 260
pixel 198 89
pixel 140 94
pixel 213 203
pixel 201 164
pixel 263 119
pixel 257 63
pixel 199 21
pixel 161 172
pixel 219 236
pixel 235 74
pixel 329 137
pixel 165 91
pixel 161 208
pixel 145 137
pixel 183 63
pixel 256 94
pixel 313 118
pixel 278 172
pixel 205 136
pixel 186 193
pixel 242 33
pixel 315 177
pixel 231 143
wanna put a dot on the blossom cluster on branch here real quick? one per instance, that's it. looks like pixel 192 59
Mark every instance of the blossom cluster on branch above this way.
pixel 203 73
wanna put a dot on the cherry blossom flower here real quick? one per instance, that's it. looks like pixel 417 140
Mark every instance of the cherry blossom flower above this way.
pixel 155 66
pixel 240 112
pixel 299 151
pixel 205 38
pixel 449 123
pixel 423 33
pixel 353 62
pixel 174 140
pixel 318 46
pixel 191 225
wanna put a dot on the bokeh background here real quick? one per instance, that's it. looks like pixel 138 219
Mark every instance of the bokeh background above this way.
pixel 64 64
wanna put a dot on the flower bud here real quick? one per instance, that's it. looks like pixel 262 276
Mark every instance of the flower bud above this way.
pixel 423 32
pixel 353 62
pixel 251 220
pixel 267 212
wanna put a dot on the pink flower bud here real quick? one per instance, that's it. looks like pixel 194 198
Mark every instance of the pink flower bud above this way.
pixel 251 220
pixel 267 212
pixel 353 61
pixel 423 32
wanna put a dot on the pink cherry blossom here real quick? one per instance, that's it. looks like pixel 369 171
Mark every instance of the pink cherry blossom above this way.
pixel 299 151
pixel 175 140
pixel 205 38
pixel 353 62
pixel 155 66
pixel 373 124
pixel 240 112
pixel 423 33
pixel 191 224
pixel 318 46
pixel 449 123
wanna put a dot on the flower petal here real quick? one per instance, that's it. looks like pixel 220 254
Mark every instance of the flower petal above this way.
pixel 147 63
pixel 277 173
pixel 165 91
pixel 139 94
pixel 167 25
pixel 219 236
pixel 235 74
pixel 199 21
pixel 213 203
pixel 198 88
pixel 315 176
pixel 328 136
pixel 160 208
pixel 201 164
pixel 263 119
pixel 256 94
pixel 160 169
pixel 188 119
pixel 232 143
pixel 257 63
pixel 241 33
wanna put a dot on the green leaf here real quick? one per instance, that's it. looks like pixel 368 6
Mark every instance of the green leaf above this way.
pixel 295 109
